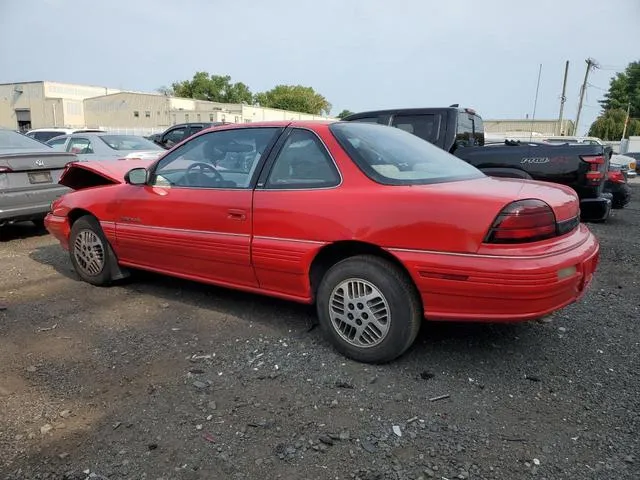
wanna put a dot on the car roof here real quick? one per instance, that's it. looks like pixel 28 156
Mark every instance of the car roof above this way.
pixel 276 123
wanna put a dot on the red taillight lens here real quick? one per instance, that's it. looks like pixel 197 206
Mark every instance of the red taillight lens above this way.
pixel 523 221
pixel 595 175
pixel 616 176
pixel 5 169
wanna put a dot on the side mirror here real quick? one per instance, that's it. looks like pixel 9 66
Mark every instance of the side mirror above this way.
pixel 136 176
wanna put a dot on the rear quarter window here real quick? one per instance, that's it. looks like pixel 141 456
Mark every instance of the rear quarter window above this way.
pixel 391 156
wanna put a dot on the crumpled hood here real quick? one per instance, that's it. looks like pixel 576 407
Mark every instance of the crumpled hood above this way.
pixel 79 175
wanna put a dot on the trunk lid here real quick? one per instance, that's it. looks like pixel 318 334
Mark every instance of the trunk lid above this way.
pixel 21 161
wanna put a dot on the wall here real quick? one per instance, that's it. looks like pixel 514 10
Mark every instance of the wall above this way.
pixel 128 110
pixel 31 98
pixel 546 127
pixel 260 114
pixel 72 91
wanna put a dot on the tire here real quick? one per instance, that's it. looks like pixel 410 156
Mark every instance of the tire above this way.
pixel 358 337
pixel 90 251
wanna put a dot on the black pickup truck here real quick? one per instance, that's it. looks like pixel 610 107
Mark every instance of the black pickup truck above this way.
pixel 460 131
pixel 581 167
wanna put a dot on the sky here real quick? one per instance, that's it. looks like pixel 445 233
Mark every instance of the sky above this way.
pixel 359 54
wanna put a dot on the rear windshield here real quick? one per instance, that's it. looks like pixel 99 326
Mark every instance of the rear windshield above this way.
pixel 392 156
pixel 10 140
pixel 129 142
pixel 44 136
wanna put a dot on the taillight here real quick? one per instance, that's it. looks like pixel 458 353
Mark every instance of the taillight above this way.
pixel 523 221
pixel 5 169
pixel 595 174
pixel 616 176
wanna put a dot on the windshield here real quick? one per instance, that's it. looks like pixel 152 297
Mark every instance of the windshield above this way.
pixel 12 140
pixel 392 156
pixel 129 142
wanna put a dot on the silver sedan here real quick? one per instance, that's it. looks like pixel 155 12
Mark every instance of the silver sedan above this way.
pixel 106 146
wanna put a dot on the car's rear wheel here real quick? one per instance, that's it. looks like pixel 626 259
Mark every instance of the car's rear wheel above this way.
pixel 369 309
pixel 90 251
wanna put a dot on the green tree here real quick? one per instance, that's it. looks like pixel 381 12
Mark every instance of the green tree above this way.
pixel 344 113
pixel 624 89
pixel 214 88
pixel 610 124
pixel 295 98
pixel 164 90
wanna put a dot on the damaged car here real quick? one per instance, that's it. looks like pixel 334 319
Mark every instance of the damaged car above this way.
pixel 375 226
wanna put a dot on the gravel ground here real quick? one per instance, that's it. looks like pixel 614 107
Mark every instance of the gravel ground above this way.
pixel 166 379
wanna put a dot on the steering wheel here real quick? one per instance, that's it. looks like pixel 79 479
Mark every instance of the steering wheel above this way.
pixel 202 166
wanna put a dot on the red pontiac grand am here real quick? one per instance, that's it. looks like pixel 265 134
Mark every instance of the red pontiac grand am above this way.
pixel 378 227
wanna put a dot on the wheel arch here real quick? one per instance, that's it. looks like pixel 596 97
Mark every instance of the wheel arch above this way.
pixel 76 213
pixel 335 252
pixel 117 272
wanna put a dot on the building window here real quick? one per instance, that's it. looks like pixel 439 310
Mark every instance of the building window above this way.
pixel 136 114
pixel 211 117
pixel 147 114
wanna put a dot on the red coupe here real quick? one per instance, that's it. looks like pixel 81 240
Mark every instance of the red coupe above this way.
pixel 376 226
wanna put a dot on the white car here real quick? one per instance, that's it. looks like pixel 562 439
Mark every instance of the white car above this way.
pixel 628 164
pixel 45 134
pixel 90 146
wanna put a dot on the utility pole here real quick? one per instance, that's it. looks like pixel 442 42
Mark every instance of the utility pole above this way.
pixel 591 63
pixel 563 98
pixel 626 121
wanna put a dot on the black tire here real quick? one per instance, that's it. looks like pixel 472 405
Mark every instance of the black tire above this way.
pixel 397 289
pixel 102 277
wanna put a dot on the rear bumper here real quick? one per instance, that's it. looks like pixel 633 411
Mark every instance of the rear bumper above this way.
pixel 26 205
pixel 59 227
pixel 487 288
pixel 621 194
pixel 595 209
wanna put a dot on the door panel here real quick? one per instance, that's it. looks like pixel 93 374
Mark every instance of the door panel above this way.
pixel 194 217
pixel 188 231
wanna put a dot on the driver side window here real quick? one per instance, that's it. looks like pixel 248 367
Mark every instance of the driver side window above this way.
pixel 222 159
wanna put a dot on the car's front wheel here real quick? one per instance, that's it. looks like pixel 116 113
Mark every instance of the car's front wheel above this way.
pixel 90 251
pixel 369 309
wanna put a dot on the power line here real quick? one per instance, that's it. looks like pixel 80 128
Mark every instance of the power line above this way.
pixel 597 87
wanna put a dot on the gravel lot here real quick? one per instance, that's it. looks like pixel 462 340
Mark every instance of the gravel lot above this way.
pixel 161 378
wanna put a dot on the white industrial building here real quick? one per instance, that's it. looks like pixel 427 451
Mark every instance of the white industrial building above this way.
pixel 43 104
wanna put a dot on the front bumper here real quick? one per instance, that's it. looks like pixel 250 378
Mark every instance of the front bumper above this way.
pixel 59 227
pixel 501 288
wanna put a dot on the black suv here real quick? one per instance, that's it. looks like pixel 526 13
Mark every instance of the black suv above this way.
pixel 176 133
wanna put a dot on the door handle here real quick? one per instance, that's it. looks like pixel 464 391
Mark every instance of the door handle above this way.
pixel 234 214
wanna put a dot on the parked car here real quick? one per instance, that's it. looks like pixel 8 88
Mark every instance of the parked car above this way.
pixel 461 132
pixel 29 174
pixel 626 163
pixel 106 146
pixel 616 185
pixel 376 227
pixel 177 133
pixel 636 156
pixel 45 134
